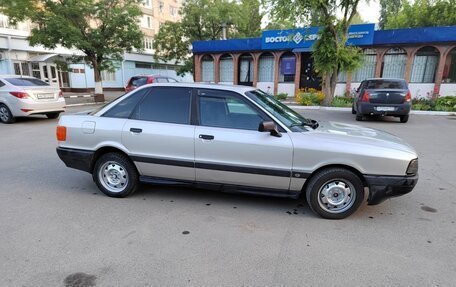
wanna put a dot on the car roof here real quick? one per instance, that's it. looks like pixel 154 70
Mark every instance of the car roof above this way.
pixel 16 76
pixel 235 88
pixel 384 79
pixel 151 75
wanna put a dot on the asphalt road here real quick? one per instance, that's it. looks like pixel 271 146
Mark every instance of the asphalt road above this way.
pixel 57 229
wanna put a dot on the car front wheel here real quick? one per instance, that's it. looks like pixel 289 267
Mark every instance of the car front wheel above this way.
pixel 335 193
pixel 115 175
pixel 6 116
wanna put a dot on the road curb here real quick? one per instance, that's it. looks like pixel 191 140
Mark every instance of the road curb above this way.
pixel 413 112
pixel 85 104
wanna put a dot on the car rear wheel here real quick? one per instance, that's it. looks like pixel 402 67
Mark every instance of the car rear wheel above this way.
pixel 353 110
pixel 115 175
pixel 404 119
pixel 6 116
pixel 359 117
pixel 335 193
pixel 52 115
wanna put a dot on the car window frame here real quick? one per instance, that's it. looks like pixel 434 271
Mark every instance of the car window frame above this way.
pixel 191 107
pixel 2 84
pixel 239 97
pixel 125 98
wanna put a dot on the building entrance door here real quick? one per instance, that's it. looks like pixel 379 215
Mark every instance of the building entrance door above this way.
pixel 48 73
pixel 309 78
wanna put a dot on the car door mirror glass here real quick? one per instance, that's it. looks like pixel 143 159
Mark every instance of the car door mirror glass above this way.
pixel 269 126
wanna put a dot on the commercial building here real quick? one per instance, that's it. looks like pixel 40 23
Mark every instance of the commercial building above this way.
pixel 18 57
pixel 281 60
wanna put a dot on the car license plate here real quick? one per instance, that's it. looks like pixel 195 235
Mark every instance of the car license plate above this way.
pixel 45 96
pixel 385 109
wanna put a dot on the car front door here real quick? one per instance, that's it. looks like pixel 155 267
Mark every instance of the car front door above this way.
pixel 230 150
pixel 159 135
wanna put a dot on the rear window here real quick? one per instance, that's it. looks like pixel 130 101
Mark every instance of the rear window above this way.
pixel 138 81
pixel 386 84
pixel 26 82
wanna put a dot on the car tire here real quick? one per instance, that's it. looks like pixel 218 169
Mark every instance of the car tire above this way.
pixel 404 119
pixel 6 116
pixel 353 110
pixel 359 117
pixel 115 175
pixel 53 115
pixel 335 193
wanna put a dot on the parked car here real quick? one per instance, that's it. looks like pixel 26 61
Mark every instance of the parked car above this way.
pixel 141 80
pixel 384 97
pixel 235 139
pixel 22 96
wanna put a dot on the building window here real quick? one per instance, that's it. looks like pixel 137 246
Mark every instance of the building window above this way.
pixel 450 68
pixel 246 69
pixel 425 65
pixel 161 5
pixel 5 23
pixel 394 63
pixel 142 65
pixel 148 43
pixel 342 77
pixel 226 68
pixel 22 68
pixel 172 11
pixel 147 4
pixel 287 68
pixel 207 69
pixel 147 21
pixel 266 68
pixel 107 76
pixel 367 70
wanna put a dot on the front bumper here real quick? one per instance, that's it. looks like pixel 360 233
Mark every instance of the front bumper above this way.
pixel 382 187
pixel 373 109
pixel 76 158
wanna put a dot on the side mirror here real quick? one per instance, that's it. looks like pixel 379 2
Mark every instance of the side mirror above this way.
pixel 269 126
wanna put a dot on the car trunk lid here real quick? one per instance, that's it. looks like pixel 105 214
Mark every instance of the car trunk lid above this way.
pixel 42 93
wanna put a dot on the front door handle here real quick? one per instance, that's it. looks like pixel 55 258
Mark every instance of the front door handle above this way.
pixel 206 137
pixel 136 130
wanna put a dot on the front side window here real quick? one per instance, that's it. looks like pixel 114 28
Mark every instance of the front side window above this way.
pixel 125 108
pixel 166 105
pixel 224 110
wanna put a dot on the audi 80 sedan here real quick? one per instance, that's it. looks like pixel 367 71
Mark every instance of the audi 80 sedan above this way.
pixel 234 139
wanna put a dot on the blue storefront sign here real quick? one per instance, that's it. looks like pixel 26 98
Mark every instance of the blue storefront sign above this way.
pixel 304 38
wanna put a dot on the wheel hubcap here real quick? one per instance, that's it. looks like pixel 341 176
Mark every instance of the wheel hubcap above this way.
pixel 336 196
pixel 113 176
pixel 4 115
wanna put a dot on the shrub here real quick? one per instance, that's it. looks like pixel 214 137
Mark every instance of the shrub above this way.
pixel 310 97
pixel 281 96
pixel 446 104
pixel 342 102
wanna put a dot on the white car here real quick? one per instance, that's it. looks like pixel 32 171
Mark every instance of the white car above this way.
pixel 235 139
pixel 22 96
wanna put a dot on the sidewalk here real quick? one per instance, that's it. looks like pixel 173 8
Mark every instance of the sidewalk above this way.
pixel 78 99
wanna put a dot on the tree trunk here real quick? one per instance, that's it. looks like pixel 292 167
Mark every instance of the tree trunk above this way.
pixel 329 87
pixel 99 96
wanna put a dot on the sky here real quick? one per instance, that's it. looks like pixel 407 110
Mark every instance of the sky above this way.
pixel 369 11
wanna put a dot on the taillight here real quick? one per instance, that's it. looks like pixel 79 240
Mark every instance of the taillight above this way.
pixel 60 94
pixel 20 95
pixel 150 80
pixel 365 97
pixel 61 133
pixel 408 97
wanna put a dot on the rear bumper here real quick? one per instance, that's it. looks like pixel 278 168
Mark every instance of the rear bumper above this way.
pixel 76 158
pixel 33 107
pixel 373 109
pixel 384 187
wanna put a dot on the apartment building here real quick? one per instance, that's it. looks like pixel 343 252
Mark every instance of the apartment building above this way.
pixel 18 57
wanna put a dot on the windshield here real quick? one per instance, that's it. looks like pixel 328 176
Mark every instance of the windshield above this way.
pixel 284 114
pixel 26 82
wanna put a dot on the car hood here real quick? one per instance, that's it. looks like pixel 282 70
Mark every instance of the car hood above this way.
pixel 363 135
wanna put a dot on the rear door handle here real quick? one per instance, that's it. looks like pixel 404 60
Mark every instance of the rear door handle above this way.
pixel 206 137
pixel 136 130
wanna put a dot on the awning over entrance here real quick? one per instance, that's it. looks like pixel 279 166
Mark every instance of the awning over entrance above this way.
pixel 41 58
pixel 298 50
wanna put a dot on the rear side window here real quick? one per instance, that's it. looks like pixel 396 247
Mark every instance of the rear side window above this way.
pixel 138 81
pixel 386 84
pixel 165 104
pixel 1 84
pixel 26 82
pixel 160 80
pixel 171 80
pixel 125 108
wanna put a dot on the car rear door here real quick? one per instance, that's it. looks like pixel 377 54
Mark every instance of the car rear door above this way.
pixel 230 150
pixel 159 135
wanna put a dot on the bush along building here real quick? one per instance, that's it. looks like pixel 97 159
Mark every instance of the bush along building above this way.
pixel 281 60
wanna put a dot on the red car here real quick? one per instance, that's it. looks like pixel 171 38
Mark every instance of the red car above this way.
pixel 138 81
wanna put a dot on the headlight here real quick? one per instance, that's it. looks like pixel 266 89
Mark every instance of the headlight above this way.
pixel 413 167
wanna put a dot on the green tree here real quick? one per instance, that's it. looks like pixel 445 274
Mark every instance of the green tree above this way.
pixel 330 52
pixel 388 8
pixel 423 13
pixel 101 29
pixel 202 20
